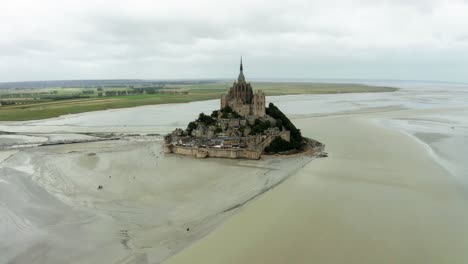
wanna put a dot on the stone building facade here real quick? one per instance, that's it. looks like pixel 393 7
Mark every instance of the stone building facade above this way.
pixel 242 99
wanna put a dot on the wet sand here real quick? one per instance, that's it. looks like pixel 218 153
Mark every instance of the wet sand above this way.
pixel 150 206
pixel 379 198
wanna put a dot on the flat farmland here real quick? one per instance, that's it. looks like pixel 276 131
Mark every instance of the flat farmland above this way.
pixel 40 103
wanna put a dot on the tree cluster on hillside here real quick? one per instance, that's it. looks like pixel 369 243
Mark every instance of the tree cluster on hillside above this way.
pixel 206 119
pixel 227 112
pixel 191 126
pixel 278 145
pixel 297 141
pixel 260 126
pixel 215 114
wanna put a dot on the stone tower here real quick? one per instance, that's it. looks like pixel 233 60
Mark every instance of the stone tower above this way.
pixel 259 104
pixel 240 97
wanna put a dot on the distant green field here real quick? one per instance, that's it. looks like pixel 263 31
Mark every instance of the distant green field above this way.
pixel 49 102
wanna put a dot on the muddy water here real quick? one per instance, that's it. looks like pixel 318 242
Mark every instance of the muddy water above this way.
pixel 378 198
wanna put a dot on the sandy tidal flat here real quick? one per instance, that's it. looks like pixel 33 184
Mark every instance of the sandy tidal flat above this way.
pixel 379 198
pixel 150 205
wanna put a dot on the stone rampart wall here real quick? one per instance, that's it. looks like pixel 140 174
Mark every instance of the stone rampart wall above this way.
pixel 231 153
pixel 213 152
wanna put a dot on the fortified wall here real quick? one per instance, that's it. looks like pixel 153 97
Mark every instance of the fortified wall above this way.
pixel 213 152
pixel 232 153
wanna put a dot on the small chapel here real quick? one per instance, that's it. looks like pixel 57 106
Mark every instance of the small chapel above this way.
pixel 242 99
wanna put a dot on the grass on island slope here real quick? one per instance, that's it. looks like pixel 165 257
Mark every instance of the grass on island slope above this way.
pixel 47 109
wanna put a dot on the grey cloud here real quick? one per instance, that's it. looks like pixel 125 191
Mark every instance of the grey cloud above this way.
pixel 203 39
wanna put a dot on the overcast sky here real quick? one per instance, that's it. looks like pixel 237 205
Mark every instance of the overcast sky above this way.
pixel 173 39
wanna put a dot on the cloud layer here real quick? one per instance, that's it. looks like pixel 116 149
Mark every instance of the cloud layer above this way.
pixel 52 39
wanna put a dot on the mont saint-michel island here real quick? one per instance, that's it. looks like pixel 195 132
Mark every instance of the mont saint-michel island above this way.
pixel 243 127
pixel 129 136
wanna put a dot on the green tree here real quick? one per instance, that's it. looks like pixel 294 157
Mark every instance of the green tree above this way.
pixel 227 110
pixel 297 141
pixel 260 126
pixel 278 145
pixel 205 119
pixel 235 114
pixel 191 126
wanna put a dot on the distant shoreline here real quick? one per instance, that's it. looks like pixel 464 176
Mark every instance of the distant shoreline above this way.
pixel 48 102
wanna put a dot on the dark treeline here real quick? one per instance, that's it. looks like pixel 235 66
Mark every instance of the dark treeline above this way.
pixel 279 145
pixel 15 98
pixel 97 83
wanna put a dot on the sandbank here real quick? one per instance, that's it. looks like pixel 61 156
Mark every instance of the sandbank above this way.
pixel 380 197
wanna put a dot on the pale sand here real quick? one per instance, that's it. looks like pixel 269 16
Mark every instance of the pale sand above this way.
pixel 51 210
pixel 7 154
pixel 378 198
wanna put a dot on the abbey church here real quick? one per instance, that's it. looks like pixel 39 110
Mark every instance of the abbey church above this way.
pixel 242 129
pixel 241 98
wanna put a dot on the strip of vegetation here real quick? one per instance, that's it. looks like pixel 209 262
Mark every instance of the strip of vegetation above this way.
pixel 32 104
pixel 65 97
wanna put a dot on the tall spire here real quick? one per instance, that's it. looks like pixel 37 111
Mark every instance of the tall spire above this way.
pixel 241 78
pixel 241 66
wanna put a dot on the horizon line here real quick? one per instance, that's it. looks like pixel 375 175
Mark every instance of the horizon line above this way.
pixel 272 79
